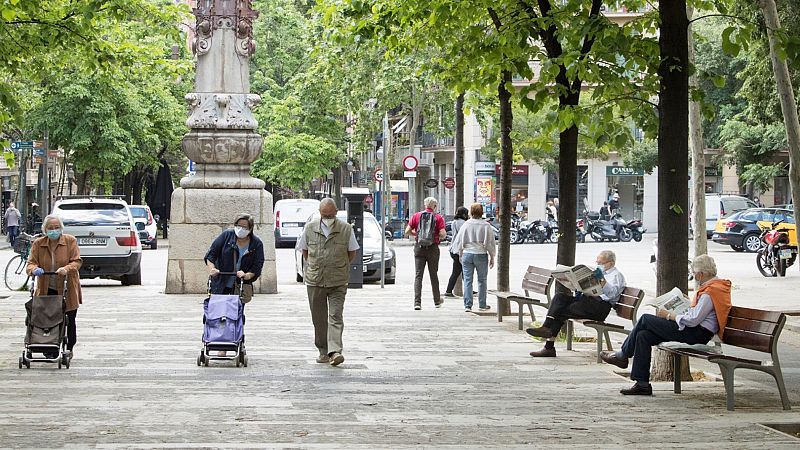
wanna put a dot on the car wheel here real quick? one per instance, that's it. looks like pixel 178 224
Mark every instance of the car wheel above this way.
pixel 154 245
pixel 751 243
pixel 389 280
pixel 737 248
pixel 298 278
pixel 134 279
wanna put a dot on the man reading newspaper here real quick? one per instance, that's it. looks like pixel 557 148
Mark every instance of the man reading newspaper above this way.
pixel 705 316
pixel 592 299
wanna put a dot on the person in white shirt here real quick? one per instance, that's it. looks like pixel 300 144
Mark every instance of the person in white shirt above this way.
pixel 579 306
pixel 476 246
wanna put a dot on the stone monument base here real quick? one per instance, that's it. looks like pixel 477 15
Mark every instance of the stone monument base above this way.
pixel 197 217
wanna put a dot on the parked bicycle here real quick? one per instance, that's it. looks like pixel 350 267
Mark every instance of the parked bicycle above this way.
pixel 16 278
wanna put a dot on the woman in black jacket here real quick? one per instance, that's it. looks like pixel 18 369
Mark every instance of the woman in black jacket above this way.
pixel 235 250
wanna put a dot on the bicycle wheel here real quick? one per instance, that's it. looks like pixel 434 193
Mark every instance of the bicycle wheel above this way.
pixel 15 277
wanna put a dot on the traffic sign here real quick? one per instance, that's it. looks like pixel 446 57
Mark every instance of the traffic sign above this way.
pixel 368 199
pixel 410 174
pixel 410 162
pixel 378 175
pixel 449 183
pixel 17 145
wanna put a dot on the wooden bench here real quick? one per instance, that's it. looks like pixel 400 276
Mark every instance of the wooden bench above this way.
pixel 626 308
pixel 536 281
pixel 752 329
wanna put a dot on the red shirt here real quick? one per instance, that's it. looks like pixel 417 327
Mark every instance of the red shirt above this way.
pixel 414 223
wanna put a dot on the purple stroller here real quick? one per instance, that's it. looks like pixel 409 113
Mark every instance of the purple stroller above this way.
pixel 223 330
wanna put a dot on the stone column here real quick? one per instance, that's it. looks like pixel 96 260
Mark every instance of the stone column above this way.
pixel 222 142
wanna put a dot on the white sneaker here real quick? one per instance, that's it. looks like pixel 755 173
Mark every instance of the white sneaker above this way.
pixel 336 358
pixel 323 359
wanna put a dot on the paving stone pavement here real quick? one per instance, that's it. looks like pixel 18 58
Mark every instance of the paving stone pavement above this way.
pixel 432 378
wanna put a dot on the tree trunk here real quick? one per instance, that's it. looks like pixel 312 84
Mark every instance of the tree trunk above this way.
pixel 567 189
pixel 458 160
pixel 673 160
pixel 698 162
pixel 507 154
pixel 786 96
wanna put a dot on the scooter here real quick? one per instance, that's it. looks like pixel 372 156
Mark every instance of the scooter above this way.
pixel 601 230
pixel 775 254
pixel 637 230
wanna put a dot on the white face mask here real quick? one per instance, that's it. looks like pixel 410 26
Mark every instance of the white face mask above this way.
pixel 241 233
pixel 328 222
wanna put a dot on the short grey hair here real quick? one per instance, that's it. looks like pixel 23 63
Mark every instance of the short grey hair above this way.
pixel 705 265
pixel 328 201
pixel 609 256
pixel 47 220
pixel 430 202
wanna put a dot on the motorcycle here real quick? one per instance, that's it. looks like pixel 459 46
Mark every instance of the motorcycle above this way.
pixel 775 254
pixel 580 236
pixel 601 230
pixel 637 230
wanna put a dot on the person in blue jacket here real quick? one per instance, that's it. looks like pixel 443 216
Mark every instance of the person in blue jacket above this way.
pixel 237 250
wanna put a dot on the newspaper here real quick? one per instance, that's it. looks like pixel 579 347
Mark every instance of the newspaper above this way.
pixel 579 278
pixel 673 301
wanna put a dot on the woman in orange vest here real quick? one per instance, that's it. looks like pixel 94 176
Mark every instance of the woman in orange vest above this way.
pixel 706 317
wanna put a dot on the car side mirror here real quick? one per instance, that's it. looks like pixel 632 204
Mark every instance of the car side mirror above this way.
pixel 140 226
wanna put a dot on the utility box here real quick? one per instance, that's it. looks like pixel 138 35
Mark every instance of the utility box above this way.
pixel 354 199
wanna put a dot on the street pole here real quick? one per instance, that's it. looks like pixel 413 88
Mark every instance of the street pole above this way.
pixel 384 197
pixel 22 202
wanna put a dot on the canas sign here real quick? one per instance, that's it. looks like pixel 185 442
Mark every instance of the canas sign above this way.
pixel 616 171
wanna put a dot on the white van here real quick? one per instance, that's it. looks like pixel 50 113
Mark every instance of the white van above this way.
pixel 290 217
pixel 718 205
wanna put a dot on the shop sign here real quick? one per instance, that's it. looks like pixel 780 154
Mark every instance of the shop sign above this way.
pixel 515 169
pixel 449 182
pixel 617 171
pixel 484 168
pixel 712 171
pixel 431 183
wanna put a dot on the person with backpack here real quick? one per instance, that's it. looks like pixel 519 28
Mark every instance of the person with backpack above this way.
pixel 462 215
pixel 427 227
pixel 476 246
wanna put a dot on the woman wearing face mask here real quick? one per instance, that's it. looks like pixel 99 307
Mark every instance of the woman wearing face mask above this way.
pixel 235 250
pixel 58 252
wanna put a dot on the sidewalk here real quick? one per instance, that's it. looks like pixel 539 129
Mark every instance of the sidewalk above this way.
pixel 430 378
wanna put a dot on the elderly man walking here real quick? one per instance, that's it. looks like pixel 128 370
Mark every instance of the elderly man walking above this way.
pixel 427 227
pixel 12 217
pixel 328 245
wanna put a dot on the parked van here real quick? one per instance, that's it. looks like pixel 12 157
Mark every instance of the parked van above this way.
pixel 290 217
pixel 718 205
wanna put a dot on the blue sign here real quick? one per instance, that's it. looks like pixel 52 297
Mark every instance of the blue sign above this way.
pixel 18 145
pixel 191 170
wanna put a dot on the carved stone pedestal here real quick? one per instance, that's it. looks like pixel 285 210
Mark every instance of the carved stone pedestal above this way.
pixel 198 217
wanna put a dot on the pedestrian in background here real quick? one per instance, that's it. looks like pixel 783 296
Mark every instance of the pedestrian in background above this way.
pixel 427 227
pixel 12 218
pixel 476 246
pixel 329 246
pixel 605 211
pixel 614 203
pixel 462 215
pixel 552 211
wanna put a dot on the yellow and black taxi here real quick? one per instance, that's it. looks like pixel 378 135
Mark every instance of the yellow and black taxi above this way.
pixel 742 229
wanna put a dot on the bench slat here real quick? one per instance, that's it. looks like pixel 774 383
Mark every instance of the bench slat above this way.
pixel 753 326
pixel 753 341
pixel 755 314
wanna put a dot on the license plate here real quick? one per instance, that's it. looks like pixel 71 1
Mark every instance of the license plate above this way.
pixel 290 225
pixel 91 241
pixel 785 253
pixel 364 269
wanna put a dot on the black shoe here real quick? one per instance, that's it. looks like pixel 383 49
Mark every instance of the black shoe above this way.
pixel 544 353
pixel 417 307
pixel 615 359
pixel 542 332
pixel 638 389
pixel 449 294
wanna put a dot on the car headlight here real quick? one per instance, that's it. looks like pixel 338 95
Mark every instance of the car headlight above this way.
pixel 386 255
